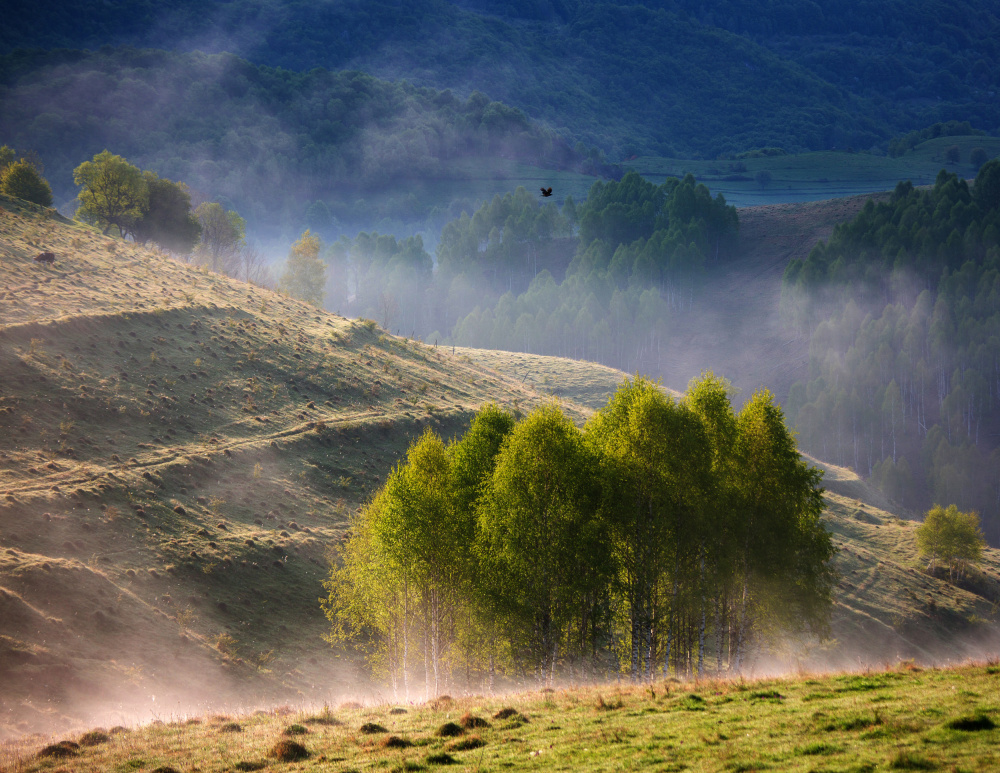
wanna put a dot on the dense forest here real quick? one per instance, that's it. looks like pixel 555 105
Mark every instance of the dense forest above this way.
pixel 698 78
pixel 903 308
pixel 665 537
pixel 266 142
pixel 642 252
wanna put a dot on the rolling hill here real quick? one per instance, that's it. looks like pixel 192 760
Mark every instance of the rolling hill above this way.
pixel 632 76
pixel 179 450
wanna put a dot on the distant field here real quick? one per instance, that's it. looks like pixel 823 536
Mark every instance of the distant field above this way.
pixel 820 175
pixel 794 178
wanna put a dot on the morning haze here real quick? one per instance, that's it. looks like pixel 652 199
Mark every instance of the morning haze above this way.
pixel 505 384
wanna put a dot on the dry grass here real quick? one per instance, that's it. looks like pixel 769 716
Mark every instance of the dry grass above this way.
pixel 153 508
pixel 899 719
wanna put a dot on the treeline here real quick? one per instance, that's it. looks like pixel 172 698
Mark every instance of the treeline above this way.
pixel 642 252
pixel 903 308
pixel 665 537
pixel 735 75
pixel 268 143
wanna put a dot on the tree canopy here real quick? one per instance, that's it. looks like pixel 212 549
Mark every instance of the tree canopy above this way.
pixel 901 307
pixel 22 180
pixel 304 276
pixel 951 537
pixel 661 533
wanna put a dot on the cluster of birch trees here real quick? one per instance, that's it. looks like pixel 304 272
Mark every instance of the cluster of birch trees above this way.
pixel 664 537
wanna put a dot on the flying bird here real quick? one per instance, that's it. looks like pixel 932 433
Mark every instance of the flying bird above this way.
pixel 546 192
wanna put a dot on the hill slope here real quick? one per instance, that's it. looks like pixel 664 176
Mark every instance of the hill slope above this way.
pixel 178 451
pixel 630 76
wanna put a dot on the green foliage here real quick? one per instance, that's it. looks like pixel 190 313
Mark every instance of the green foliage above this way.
pixel 642 250
pixel 733 77
pixel 986 190
pixel 951 537
pixel 281 140
pixel 304 276
pixel 660 530
pixel 114 192
pixel 223 234
pixel 901 305
pixel 167 219
pixel 978 157
pixel 22 180
pixel 900 145
pixel 377 276
pixel 541 545
pixel 496 239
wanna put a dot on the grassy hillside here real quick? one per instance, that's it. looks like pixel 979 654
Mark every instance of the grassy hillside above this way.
pixel 906 718
pixel 179 450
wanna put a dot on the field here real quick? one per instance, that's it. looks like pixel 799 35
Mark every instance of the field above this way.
pixel 906 718
pixel 179 451
pixel 819 175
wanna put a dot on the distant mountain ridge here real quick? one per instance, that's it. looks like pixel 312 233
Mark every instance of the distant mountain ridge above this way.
pixel 664 78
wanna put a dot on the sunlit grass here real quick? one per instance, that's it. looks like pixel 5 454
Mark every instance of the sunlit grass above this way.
pixel 935 719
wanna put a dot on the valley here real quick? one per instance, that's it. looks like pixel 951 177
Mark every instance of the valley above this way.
pixel 181 450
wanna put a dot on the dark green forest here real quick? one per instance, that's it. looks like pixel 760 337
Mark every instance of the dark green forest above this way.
pixel 903 308
pixel 665 537
pixel 266 142
pixel 667 78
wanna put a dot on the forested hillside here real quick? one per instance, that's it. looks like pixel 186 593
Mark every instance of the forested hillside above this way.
pixel 903 307
pixel 665 78
pixel 264 141
pixel 642 252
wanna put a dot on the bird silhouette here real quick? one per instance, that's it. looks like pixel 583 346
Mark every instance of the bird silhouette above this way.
pixel 546 192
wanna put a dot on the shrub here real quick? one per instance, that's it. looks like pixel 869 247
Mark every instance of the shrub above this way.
pixel 22 181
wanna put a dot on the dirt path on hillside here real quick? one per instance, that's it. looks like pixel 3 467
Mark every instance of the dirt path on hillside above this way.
pixel 734 328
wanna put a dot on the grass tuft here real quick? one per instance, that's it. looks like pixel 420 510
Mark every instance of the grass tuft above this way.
pixel 906 760
pixel 466 744
pixel 371 728
pixel 395 742
pixel 94 737
pixel 449 730
pixel 288 751
pixel 61 749
pixel 471 722
pixel 441 758
pixel 972 723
